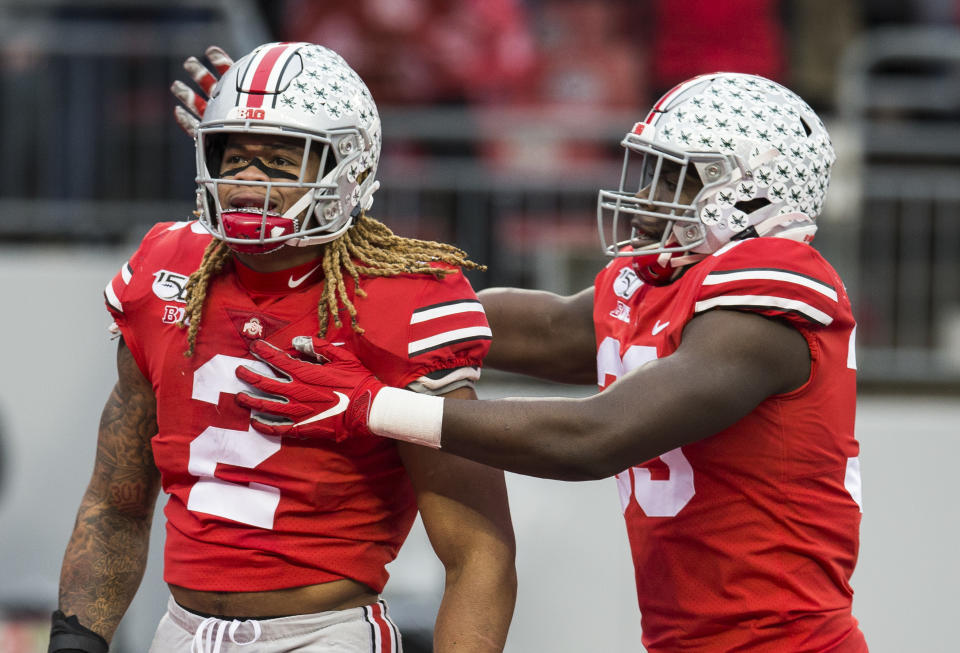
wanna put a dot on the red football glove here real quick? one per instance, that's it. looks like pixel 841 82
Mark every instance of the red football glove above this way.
pixel 329 398
pixel 188 116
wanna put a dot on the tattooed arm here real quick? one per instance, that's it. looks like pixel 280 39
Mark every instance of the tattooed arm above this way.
pixel 107 553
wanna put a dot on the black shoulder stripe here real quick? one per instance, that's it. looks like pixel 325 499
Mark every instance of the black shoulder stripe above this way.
pixel 447 343
pixel 449 303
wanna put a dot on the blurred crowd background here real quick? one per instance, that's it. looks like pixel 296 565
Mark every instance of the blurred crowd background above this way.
pixel 501 120
pixel 503 117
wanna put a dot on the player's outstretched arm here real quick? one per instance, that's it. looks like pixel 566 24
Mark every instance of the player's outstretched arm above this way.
pixel 466 515
pixel 107 553
pixel 727 363
pixel 542 334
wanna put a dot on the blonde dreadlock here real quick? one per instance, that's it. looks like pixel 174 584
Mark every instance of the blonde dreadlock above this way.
pixel 368 248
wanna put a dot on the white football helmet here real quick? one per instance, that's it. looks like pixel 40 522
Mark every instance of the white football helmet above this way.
pixel 298 90
pixel 762 157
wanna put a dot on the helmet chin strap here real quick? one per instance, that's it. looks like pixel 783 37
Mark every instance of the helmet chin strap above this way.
pixel 366 201
pixel 777 225
pixel 679 261
pixel 659 269
pixel 299 206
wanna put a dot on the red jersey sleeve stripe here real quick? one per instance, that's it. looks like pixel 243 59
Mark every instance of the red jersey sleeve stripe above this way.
pixel 448 338
pixel 718 277
pixel 445 309
pixel 765 302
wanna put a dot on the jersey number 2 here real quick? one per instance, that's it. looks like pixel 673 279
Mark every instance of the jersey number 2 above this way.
pixel 656 497
pixel 251 503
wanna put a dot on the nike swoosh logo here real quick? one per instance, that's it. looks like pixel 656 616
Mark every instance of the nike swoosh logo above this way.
pixel 293 283
pixel 657 328
pixel 330 412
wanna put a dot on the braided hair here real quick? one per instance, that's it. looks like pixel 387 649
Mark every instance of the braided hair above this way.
pixel 368 248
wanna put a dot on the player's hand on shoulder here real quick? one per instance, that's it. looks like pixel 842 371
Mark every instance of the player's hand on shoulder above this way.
pixel 322 392
pixel 193 103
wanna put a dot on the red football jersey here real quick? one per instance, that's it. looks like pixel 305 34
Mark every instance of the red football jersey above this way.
pixel 744 540
pixel 251 512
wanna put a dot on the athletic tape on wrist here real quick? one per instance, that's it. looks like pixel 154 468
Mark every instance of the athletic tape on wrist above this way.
pixel 408 416
pixel 67 642
pixel 68 634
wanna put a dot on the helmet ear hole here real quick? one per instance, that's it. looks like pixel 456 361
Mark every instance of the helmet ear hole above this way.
pixel 750 206
pixel 806 126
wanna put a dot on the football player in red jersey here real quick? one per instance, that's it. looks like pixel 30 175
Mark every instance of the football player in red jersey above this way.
pixel 723 344
pixel 282 542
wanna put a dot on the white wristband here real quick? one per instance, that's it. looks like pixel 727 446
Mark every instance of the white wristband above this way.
pixel 408 416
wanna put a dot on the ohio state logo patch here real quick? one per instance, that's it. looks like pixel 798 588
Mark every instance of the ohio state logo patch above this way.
pixel 169 286
pixel 253 328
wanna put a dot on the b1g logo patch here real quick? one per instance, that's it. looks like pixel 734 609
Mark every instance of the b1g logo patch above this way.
pixel 626 283
pixel 621 312
pixel 172 314
pixel 252 114
pixel 169 286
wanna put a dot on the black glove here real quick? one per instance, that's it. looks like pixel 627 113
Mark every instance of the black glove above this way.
pixel 68 636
